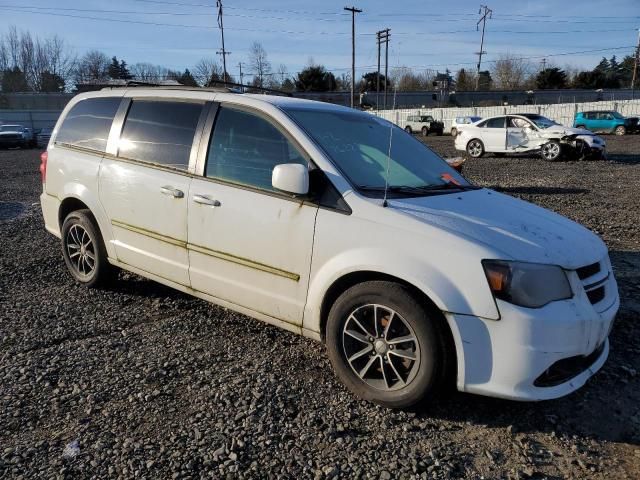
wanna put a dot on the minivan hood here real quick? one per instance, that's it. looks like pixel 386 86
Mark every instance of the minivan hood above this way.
pixel 520 230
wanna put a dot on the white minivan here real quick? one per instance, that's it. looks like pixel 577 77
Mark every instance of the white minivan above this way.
pixel 337 225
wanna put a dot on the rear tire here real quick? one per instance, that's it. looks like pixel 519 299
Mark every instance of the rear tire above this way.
pixel 408 130
pixel 371 360
pixel 454 132
pixel 620 130
pixel 83 250
pixel 475 148
pixel 425 131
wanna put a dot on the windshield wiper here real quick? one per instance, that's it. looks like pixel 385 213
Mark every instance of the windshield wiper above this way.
pixel 419 189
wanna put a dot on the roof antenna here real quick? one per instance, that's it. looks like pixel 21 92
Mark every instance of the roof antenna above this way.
pixel 386 178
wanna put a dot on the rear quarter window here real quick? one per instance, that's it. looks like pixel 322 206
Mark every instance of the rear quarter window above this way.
pixel 88 123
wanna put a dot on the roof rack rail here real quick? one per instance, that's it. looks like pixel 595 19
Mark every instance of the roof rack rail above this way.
pixel 241 88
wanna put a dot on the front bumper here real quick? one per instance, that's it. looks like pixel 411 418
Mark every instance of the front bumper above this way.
pixel 514 357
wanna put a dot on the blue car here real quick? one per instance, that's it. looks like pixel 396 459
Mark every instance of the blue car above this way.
pixel 605 121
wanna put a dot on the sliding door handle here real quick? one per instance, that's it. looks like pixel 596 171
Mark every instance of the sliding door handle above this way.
pixel 205 200
pixel 173 192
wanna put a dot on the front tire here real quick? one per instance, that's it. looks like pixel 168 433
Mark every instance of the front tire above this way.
pixel 620 130
pixel 551 151
pixel 83 250
pixel 408 129
pixel 425 131
pixel 475 148
pixel 384 345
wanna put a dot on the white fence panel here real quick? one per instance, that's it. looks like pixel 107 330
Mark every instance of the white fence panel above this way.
pixel 563 113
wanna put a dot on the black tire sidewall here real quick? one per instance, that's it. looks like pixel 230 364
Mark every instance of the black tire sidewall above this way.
pixel 408 130
pixel 398 298
pixel 425 131
pixel 102 266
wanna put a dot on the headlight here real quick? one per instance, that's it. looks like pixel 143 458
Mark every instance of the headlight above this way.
pixel 531 285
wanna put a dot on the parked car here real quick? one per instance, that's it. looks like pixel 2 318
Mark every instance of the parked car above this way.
pixel 528 132
pixel 334 224
pixel 424 124
pixel 42 138
pixel 606 121
pixel 16 136
pixel 459 122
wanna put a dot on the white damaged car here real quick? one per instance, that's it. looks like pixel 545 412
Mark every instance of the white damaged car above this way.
pixel 528 132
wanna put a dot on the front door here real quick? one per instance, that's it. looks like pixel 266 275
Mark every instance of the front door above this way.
pixel 249 244
pixel 144 185
pixel 519 133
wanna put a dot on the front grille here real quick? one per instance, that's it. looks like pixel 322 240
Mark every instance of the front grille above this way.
pixel 588 271
pixel 567 368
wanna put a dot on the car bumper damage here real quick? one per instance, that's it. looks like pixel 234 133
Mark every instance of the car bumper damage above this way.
pixel 538 354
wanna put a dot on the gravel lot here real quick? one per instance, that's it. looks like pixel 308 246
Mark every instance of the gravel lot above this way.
pixel 143 381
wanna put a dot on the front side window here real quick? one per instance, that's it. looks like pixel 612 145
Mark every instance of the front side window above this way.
pixel 160 132
pixel 245 148
pixel 427 119
pixel 88 123
pixel 358 144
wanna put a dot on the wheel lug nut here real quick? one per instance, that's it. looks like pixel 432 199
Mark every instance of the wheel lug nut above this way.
pixel 390 347
pixel 371 339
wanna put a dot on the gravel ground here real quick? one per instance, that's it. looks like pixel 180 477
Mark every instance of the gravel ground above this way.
pixel 143 381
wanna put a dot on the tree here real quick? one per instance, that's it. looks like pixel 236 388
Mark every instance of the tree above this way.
pixel 510 72
pixel 259 63
pixel 124 71
pixel 207 71
pixel 369 82
pixel 484 80
pixel 51 82
pixel 315 78
pixel 114 69
pixel 187 79
pixel 551 78
pixel 465 81
pixel 14 80
pixel 92 67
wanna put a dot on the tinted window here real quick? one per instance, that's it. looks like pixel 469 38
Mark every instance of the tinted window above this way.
pixel 494 123
pixel 160 132
pixel 88 123
pixel 245 148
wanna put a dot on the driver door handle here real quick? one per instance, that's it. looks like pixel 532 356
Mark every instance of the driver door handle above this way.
pixel 205 200
pixel 169 190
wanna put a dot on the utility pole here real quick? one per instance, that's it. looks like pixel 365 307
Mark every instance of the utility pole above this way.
pixel 223 52
pixel 382 36
pixel 386 66
pixel 635 66
pixel 544 64
pixel 486 12
pixel 241 77
pixel 353 11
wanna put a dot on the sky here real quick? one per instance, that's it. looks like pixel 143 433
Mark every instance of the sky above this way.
pixel 425 34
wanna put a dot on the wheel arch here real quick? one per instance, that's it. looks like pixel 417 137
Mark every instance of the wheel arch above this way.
pixel 348 280
pixel 78 197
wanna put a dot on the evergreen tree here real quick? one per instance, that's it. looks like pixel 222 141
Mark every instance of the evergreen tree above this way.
pixel 315 79
pixel 551 78
pixel 114 69
pixel 485 81
pixel 14 80
pixel 369 82
pixel 124 73
pixel 187 79
pixel 51 82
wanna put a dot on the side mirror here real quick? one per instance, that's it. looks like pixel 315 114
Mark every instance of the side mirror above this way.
pixel 291 178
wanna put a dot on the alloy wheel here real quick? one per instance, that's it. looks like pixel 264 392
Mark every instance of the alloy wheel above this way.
pixel 81 250
pixel 551 151
pixel 475 148
pixel 381 347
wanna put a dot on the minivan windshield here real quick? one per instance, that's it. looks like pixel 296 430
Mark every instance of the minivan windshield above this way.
pixel 358 144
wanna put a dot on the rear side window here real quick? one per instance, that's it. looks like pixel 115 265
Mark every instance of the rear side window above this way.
pixel 160 132
pixel 88 123
pixel 494 123
pixel 245 148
